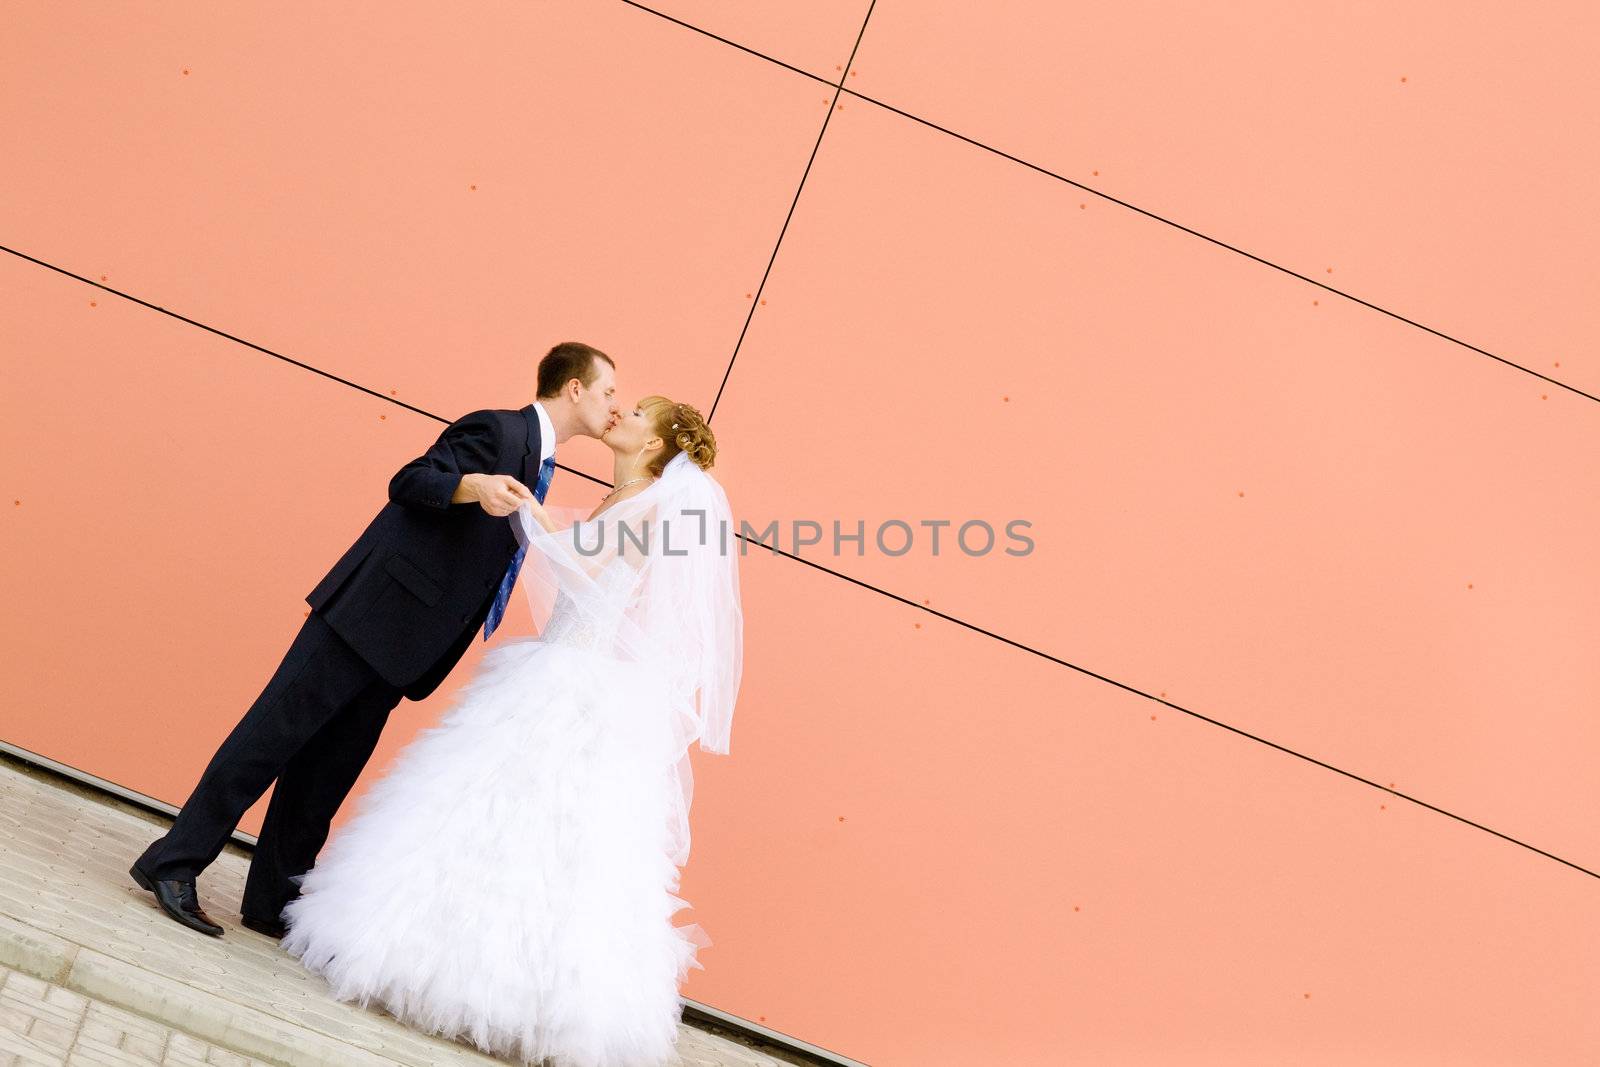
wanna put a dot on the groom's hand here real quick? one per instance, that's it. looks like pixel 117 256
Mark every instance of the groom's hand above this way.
pixel 498 494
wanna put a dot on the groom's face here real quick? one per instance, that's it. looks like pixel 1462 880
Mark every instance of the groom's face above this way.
pixel 597 406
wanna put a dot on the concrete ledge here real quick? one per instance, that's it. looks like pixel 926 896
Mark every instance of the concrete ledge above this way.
pixel 35 952
pixel 237 1027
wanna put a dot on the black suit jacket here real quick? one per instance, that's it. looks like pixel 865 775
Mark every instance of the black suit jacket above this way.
pixel 415 588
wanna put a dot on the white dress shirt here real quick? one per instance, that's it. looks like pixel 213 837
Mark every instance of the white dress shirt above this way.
pixel 547 435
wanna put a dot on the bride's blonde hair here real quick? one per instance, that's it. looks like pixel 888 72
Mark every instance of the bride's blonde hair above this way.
pixel 682 429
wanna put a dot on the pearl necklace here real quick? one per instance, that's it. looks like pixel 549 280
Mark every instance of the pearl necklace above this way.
pixel 621 487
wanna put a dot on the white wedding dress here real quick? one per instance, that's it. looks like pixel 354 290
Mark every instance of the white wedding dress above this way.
pixel 511 880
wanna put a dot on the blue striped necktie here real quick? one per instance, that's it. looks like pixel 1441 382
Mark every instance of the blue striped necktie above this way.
pixel 502 596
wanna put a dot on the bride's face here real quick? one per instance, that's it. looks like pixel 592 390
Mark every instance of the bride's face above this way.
pixel 631 432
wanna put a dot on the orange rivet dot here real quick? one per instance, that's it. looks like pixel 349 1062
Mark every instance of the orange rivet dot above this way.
pixel 763 303
pixel 93 304
pixel 383 416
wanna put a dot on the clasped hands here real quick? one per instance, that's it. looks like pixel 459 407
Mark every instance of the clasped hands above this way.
pixel 501 494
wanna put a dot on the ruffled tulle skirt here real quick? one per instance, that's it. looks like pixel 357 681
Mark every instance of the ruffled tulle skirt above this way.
pixel 511 880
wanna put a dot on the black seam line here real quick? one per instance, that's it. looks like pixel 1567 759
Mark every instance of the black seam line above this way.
pixel 1159 700
pixel 736 44
pixel 1104 196
pixel 258 348
pixel 755 299
pixel 855 581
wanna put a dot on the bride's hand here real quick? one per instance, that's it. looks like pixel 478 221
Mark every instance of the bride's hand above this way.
pixel 540 515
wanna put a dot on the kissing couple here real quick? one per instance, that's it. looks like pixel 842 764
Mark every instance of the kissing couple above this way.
pixel 511 879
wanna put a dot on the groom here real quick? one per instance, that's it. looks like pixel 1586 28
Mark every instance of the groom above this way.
pixel 392 617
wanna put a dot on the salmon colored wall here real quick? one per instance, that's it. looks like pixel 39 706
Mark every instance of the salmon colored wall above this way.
pixel 1279 328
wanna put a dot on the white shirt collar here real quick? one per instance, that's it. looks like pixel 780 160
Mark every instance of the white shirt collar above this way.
pixel 547 433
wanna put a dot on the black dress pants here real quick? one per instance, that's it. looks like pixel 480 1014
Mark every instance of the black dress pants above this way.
pixel 313 728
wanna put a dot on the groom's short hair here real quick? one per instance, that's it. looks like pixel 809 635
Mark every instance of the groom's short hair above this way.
pixel 566 361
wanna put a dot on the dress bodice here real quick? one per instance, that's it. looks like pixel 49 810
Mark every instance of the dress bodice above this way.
pixel 590 621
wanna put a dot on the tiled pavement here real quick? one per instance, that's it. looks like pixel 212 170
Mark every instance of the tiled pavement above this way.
pixel 46 1024
pixel 96 974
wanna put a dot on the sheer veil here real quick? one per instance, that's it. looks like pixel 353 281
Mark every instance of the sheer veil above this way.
pixel 654 581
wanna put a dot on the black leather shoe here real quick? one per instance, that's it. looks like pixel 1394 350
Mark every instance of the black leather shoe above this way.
pixel 179 900
pixel 271 927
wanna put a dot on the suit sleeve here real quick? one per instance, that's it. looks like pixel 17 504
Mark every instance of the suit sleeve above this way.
pixel 467 446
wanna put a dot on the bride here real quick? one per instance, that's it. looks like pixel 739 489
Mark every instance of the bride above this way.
pixel 512 879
